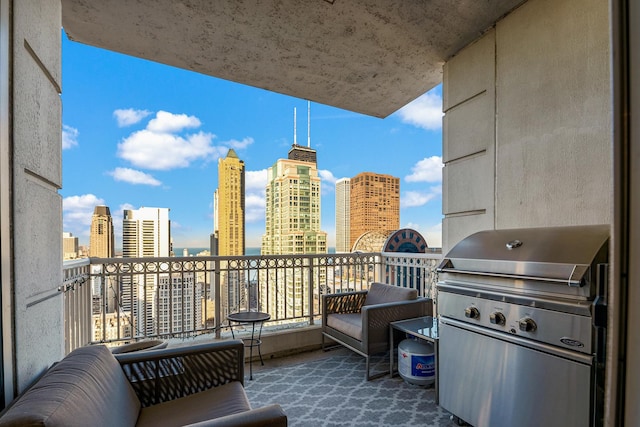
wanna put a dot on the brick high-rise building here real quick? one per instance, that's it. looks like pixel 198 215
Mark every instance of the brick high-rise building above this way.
pixel 375 204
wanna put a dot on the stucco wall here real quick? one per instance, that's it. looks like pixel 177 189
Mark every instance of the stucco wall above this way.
pixel 37 176
pixel 527 128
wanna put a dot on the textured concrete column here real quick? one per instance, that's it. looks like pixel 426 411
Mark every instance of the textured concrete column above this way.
pixel 38 335
pixel 527 127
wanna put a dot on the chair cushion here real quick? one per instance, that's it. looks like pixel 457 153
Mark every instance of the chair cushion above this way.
pixel 86 388
pixel 206 405
pixel 347 323
pixel 380 293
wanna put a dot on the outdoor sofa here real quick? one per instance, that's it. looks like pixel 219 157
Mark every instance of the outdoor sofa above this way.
pixel 199 385
pixel 360 320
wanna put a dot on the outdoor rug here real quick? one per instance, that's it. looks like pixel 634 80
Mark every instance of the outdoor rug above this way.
pixel 332 391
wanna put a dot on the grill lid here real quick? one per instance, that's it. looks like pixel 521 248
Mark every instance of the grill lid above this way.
pixel 557 254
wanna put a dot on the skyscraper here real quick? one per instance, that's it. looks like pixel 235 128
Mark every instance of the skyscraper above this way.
pixel 146 232
pixel 101 241
pixel 343 200
pixel 229 210
pixel 229 231
pixel 102 245
pixel 292 228
pixel 375 204
pixel 69 246
pixel 293 206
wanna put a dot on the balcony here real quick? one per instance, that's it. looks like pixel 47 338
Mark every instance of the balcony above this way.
pixel 181 299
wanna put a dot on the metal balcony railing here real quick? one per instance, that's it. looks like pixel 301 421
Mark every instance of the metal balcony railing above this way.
pixel 114 300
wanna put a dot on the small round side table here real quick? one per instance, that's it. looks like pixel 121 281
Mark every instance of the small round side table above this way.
pixel 252 317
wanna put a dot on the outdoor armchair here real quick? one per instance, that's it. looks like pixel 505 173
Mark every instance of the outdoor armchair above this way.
pixel 360 320
pixel 199 384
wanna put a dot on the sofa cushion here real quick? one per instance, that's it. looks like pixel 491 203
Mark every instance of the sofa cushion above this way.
pixel 380 293
pixel 347 323
pixel 86 388
pixel 209 404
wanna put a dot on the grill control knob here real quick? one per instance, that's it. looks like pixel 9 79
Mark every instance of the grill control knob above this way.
pixel 472 313
pixel 497 318
pixel 527 324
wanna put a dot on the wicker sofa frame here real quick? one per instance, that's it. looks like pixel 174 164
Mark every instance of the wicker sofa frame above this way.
pixel 198 385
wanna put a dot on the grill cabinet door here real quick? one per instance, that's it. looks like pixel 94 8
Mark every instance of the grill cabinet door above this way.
pixel 488 380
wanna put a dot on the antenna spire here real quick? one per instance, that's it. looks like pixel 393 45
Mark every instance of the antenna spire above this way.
pixel 295 141
pixel 309 124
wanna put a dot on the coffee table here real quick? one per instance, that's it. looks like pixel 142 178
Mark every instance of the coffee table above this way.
pixel 424 328
pixel 251 317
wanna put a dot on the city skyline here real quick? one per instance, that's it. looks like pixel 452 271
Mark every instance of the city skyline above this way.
pixel 137 133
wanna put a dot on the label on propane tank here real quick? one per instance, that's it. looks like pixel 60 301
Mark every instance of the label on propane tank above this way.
pixel 419 365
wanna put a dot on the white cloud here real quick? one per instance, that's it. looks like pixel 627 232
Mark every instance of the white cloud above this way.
pixel 160 146
pixel 255 195
pixel 239 145
pixel 255 180
pixel 164 151
pixel 133 176
pixel 428 169
pixel 129 116
pixel 423 112
pixel 77 212
pixel 412 199
pixel 166 122
pixel 327 177
pixel 69 137
pixel 254 207
pixel 328 181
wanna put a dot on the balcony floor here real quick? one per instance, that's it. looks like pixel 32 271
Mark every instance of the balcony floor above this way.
pixel 328 389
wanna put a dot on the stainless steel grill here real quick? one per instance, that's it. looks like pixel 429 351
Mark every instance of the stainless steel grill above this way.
pixel 522 326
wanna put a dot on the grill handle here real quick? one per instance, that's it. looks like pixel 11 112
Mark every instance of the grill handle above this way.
pixel 446 266
pixel 600 302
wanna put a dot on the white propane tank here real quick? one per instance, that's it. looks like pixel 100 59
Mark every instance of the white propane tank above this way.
pixel 417 362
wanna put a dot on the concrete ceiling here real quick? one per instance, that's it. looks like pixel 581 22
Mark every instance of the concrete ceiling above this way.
pixel 368 56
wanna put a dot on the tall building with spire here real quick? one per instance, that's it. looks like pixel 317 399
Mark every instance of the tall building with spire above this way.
pixel 292 227
pixel 101 241
pixel 229 208
pixel 343 205
pixel 375 204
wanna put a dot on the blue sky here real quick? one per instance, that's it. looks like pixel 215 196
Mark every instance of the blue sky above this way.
pixel 138 133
